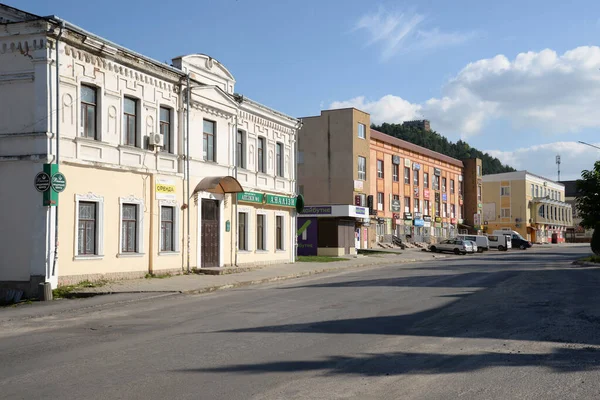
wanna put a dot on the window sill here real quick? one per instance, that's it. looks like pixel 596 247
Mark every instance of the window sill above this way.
pixel 130 255
pixel 262 251
pixel 280 251
pixel 169 253
pixel 244 252
pixel 88 257
pixel 130 147
pixel 89 140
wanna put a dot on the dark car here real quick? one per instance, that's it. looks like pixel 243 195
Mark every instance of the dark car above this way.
pixel 520 243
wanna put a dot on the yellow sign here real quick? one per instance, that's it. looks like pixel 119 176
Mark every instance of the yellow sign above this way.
pixel 165 189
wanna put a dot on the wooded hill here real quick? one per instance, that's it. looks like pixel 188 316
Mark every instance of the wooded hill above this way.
pixel 436 142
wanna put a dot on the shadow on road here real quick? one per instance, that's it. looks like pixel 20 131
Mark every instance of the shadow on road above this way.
pixel 560 360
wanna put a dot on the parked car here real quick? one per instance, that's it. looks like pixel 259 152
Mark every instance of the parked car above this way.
pixel 517 241
pixel 500 242
pixel 451 246
pixel 474 248
pixel 483 244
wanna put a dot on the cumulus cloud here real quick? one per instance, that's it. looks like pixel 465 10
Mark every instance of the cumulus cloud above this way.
pixel 538 90
pixel 401 31
pixel 541 159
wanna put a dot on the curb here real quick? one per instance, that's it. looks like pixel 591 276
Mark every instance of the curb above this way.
pixel 586 264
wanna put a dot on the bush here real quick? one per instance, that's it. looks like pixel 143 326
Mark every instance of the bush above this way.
pixel 595 244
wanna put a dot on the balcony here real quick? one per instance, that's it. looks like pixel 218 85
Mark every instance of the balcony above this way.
pixel 551 212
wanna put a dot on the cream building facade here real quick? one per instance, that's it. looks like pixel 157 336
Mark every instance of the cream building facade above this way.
pixel 123 147
pixel 527 203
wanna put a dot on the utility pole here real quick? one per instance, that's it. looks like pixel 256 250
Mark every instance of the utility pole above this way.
pixel 558 165
pixel 591 145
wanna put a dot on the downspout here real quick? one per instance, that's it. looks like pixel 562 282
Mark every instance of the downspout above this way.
pixel 60 33
pixel 187 166
pixel 235 175
pixel 152 204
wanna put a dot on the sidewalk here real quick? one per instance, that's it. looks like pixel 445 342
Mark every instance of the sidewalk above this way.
pixel 196 284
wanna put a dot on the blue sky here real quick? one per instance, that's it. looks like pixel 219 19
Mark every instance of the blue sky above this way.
pixel 518 78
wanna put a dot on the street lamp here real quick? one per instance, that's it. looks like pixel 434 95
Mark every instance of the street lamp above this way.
pixel 587 144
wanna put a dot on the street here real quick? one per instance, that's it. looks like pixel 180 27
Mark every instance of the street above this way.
pixel 515 325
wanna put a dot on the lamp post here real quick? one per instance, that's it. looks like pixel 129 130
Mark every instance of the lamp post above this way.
pixel 587 144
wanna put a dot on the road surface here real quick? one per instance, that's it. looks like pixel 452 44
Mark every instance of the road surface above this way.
pixel 517 325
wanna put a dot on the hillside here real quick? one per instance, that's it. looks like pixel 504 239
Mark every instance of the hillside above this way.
pixel 436 142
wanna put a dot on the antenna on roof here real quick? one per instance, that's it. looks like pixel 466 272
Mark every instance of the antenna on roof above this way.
pixel 558 165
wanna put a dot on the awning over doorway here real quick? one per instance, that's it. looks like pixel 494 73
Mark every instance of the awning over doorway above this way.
pixel 219 185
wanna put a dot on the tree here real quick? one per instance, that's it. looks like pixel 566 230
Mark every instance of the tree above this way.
pixel 588 203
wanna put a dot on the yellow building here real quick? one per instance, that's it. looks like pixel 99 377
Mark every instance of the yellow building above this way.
pixel 529 204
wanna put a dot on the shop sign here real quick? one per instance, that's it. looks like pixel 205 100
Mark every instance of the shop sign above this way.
pixel 42 182
pixel 357 200
pixel 460 201
pixel 437 171
pixel 407 162
pixel 408 216
pixel 427 224
pixel 426 194
pixel 418 215
pixel 396 217
pixel 476 219
pixel 419 222
pixel 416 166
pixel 317 210
pixel 438 219
pixel 445 225
pixel 250 197
pixel 165 189
pixel 416 191
pixel 282 201
pixel 453 221
pixel 358 185
pixel 427 218
pixel 396 205
pixel 408 222
pixel 444 197
pixel 361 211
pixel 396 160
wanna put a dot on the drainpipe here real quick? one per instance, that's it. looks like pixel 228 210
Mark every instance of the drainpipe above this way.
pixel 235 174
pixel 60 33
pixel 187 166
pixel 152 205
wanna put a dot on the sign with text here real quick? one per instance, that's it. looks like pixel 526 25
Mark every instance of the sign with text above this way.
pixel 165 189
pixel 282 201
pixel 396 160
pixel 317 210
pixel 307 236
pixel 42 182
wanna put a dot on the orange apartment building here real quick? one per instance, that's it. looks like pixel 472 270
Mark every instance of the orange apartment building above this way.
pixel 417 192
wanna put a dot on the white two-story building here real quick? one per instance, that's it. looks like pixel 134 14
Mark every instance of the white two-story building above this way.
pixel 146 191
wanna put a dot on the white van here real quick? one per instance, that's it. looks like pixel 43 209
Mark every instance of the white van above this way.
pixel 501 242
pixel 482 242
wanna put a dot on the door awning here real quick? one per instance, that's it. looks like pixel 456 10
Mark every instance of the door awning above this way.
pixel 219 185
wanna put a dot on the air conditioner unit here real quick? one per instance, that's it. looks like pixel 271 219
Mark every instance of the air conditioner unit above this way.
pixel 156 139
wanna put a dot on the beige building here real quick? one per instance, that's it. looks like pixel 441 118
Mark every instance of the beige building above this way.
pixel 532 205
pixel 333 169
pixel 146 191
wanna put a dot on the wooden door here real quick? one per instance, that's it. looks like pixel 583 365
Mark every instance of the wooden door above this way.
pixel 209 252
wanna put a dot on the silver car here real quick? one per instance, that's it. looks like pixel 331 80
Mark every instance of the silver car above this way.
pixel 474 248
pixel 452 246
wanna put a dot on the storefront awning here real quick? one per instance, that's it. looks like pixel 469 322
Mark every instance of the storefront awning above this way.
pixel 219 185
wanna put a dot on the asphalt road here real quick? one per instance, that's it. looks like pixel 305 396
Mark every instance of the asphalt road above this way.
pixel 518 325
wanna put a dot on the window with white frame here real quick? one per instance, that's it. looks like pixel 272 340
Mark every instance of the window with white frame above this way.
pixel 444 210
pixel 505 212
pixel 395 172
pixel 131 229
pixel 279 159
pixel 407 175
pixel 452 211
pixel 380 169
pixel 279 232
pixel 261 231
pixel 478 192
pixel 416 205
pixel 130 121
pixel 165 129
pixel 260 154
pixel 89 228
pixel 169 227
pixel 532 190
pixel 426 180
pixel 243 231
pixel 240 150
pixel 407 204
pixel 208 140
pixel 452 186
pixel 426 207
pixel 505 191
pixel 362 131
pixel 380 201
pixel 362 168
pixel 416 178
pixel 444 185
pixel 89 113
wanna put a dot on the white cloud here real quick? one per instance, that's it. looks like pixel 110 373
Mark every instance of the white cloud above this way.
pixel 397 31
pixel 541 159
pixel 537 90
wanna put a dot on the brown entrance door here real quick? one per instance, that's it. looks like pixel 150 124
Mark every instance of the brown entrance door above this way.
pixel 209 251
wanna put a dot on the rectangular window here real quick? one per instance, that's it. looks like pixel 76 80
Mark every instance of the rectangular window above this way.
pixel 426 180
pixel 445 210
pixel 261 155
pixel 362 131
pixel 444 185
pixel 129 228
pixel 505 212
pixel 279 159
pixel 451 186
pixel 89 106
pixel 380 169
pixel 479 193
pixel 479 170
pixel 380 201
pixel 406 175
pixel 260 232
pixel 208 149
pixel 165 129
pixel 395 172
pixel 407 204
pixel 437 208
pixel 396 198
pixel 240 150
pixel 416 205
pixel 279 232
pixel 436 182
pixel 505 191
pixel 452 211
pixel 532 190
pixel 460 188
pixel 416 178
pixel 362 168
pixel 130 121
pixel 537 191
pixel 243 231
pixel 167 228
pixel 87 228
pixel 426 209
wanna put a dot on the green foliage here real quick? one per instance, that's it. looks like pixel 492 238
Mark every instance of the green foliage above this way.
pixel 436 142
pixel 588 197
